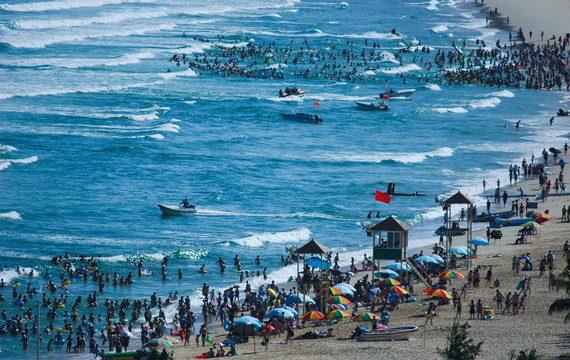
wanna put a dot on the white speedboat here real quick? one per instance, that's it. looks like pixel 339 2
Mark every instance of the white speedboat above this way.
pixel 397 93
pixel 176 210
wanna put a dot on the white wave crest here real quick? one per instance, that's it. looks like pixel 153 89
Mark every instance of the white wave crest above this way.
pixel 7 148
pixel 257 240
pixel 143 117
pixel 27 160
pixel 433 87
pixel 12 215
pixel 402 69
pixel 168 127
pixel 455 110
pixel 4 165
pixel 485 103
pixel 405 158
pixel 439 29
pixel 157 136
pixel 10 275
pixel 504 93
pixel 65 4
pixel 433 5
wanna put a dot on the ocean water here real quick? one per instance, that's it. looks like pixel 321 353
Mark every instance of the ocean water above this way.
pixel 95 132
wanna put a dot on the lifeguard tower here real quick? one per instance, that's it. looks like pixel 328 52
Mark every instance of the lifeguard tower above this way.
pixel 458 225
pixel 389 242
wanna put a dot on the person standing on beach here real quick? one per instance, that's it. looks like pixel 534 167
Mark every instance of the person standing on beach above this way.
pixel 488 277
pixel 472 310
pixel 458 306
pixel 499 299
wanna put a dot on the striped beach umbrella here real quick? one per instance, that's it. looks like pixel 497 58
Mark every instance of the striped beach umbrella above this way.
pixel 389 282
pixel 313 316
pixel 337 314
pixel 532 225
pixel 398 290
pixel 440 293
pixel 339 300
pixel 450 274
pixel 332 291
pixel 367 316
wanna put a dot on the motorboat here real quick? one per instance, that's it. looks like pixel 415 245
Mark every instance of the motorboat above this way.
pixel 397 93
pixel 176 210
pixel 562 112
pixel 372 106
pixel 395 333
pixel 492 216
pixel 291 92
pixel 302 117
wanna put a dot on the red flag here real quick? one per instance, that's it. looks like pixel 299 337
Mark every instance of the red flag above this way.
pixel 317 103
pixel 383 197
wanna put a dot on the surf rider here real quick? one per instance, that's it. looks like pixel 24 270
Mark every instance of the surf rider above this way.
pixel 184 203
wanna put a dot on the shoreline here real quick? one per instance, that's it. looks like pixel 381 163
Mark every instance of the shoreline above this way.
pixel 514 330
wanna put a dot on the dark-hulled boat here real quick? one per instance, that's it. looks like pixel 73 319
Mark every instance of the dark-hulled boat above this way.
pixel 302 117
pixel 372 106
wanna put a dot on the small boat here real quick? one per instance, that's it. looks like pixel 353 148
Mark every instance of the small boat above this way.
pixel 492 216
pixel 562 112
pixel 292 92
pixel 442 230
pixel 302 117
pixel 389 334
pixel 511 222
pixel 372 106
pixel 397 93
pixel 176 210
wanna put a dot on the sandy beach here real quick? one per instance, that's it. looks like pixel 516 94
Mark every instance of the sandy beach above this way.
pixel 550 16
pixel 503 335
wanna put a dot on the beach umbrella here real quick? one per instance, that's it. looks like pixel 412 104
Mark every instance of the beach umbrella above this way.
pixel 479 241
pixel 339 306
pixel 289 308
pixel 437 257
pixel 450 274
pixel 318 263
pixel 249 320
pixel 267 328
pixel 368 316
pixel 399 266
pixel 344 287
pixel 332 291
pixel 280 314
pixel 313 316
pixel 389 282
pixel 158 343
pixel 427 259
pixel 337 314
pixel 398 290
pixel 171 339
pixel 339 300
pixel 441 294
pixel 387 274
pixel 532 225
pixel 294 298
pixel 460 250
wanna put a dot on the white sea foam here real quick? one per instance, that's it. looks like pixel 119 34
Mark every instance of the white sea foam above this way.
pixel 168 127
pixel 12 275
pixel 11 215
pixel 143 117
pixel 189 102
pixel 175 74
pixel 433 5
pixel 4 164
pixel 504 93
pixel 7 148
pixel 433 87
pixel 157 136
pixel 439 29
pixel 455 110
pixel 257 240
pixel 402 69
pixel 485 103
pixel 65 4
pixel 405 158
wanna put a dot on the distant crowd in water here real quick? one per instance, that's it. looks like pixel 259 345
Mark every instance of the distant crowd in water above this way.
pixel 520 64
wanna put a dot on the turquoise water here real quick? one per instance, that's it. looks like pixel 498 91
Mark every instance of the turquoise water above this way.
pixel 95 132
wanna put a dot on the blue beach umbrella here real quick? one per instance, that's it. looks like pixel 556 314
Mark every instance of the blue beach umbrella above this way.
pixel 460 250
pixel 250 320
pixel 479 241
pixel 292 299
pixel 437 257
pixel 427 259
pixel 280 314
pixel 318 263
pixel 399 266
pixel 387 273
pixel 289 308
